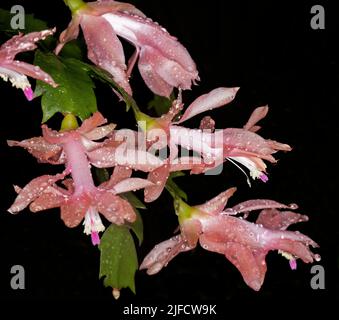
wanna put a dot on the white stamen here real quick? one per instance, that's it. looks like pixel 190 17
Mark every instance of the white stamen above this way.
pixel 18 80
pixel 241 169
pixel 255 173
pixel 92 222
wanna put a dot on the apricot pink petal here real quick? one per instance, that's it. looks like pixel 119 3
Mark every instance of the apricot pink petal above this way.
pixel 106 157
pixel 119 174
pixel 147 64
pixel 214 99
pixel 218 203
pixel 69 34
pixel 105 6
pixel 22 43
pixel 231 229
pixel 163 253
pixel 40 149
pixel 105 50
pixel 96 120
pixel 73 210
pixel 257 115
pixel 143 32
pixel 55 137
pixel 50 198
pixel 32 190
pixel 251 266
pixel 131 184
pixel 32 71
pixel 258 204
pixel 188 163
pixel 159 177
pixel 250 142
pixel 276 220
pixel 115 209
pixel 101 132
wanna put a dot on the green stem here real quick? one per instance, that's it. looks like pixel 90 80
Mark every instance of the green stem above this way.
pixel 171 191
pixel 74 5
pixel 182 209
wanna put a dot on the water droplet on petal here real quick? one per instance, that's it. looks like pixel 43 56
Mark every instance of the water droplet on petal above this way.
pixel 293 206
pixel 229 211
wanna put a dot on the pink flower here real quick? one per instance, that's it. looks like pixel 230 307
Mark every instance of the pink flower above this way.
pixel 212 147
pixel 163 62
pixel 243 243
pixel 81 199
pixel 243 146
pixel 17 71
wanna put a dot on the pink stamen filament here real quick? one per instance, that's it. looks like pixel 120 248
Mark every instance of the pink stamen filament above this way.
pixel 263 177
pixel 95 238
pixel 293 264
pixel 29 93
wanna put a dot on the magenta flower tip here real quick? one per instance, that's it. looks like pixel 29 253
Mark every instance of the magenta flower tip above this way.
pixel 95 238
pixel 29 93
pixel 293 264
pixel 263 177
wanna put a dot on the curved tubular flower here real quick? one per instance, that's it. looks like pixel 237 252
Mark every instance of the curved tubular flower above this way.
pixel 163 62
pixel 17 71
pixel 212 147
pixel 243 243
pixel 81 199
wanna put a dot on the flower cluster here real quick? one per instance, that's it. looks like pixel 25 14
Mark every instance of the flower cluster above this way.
pixel 161 146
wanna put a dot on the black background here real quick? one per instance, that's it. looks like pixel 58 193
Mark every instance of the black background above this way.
pixel 272 53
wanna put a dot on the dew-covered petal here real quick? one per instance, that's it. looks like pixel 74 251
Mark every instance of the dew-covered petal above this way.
pixel 32 190
pixel 163 253
pixel 50 198
pixel 259 204
pixel 143 32
pixel 277 220
pixel 106 157
pixel 101 132
pixel 195 164
pixel 105 50
pixel 114 208
pixel 149 74
pixel 70 33
pixel 231 229
pixel 257 115
pixel 55 137
pixel 191 230
pixel 96 120
pixel 73 210
pixel 131 184
pixel 119 173
pixel 41 149
pixel 214 99
pixel 21 43
pixel 158 49
pixel 32 71
pixel 292 242
pixel 218 203
pixel 106 6
pixel 246 141
pixel 159 178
